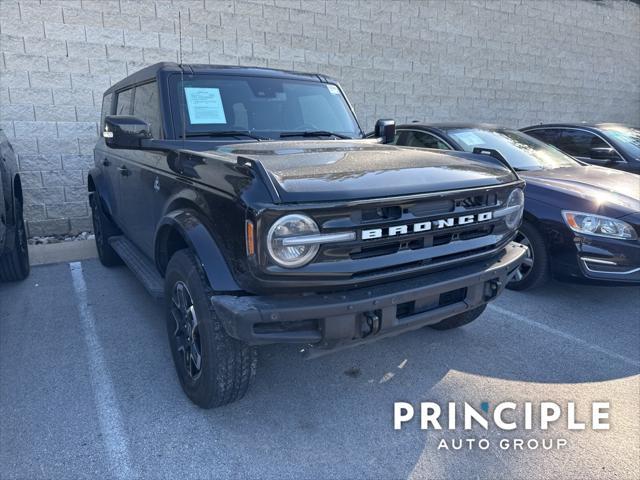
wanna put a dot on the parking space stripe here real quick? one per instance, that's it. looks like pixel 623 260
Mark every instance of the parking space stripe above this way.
pixel 109 416
pixel 566 336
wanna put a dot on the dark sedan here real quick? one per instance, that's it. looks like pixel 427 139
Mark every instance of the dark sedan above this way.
pixel 606 144
pixel 580 221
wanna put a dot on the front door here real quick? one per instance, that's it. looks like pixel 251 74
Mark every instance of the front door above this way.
pixel 141 194
pixel 110 160
pixel 140 179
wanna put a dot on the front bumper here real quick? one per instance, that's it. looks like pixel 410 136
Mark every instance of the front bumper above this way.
pixel 334 320
pixel 600 259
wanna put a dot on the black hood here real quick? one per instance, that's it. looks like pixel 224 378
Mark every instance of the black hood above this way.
pixel 600 189
pixel 347 170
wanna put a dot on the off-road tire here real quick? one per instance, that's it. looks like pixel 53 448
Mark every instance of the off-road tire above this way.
pixel 460 319
pixel 103 229
pixel 14 261
pixel 539 272
pixel 228 366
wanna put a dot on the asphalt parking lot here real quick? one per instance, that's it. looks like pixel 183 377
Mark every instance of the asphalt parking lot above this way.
pixel 88 389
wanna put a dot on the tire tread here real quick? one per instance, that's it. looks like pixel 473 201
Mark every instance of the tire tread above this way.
pixel 237 361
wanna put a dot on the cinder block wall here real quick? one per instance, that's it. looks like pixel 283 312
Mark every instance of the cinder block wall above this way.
pixel 513 62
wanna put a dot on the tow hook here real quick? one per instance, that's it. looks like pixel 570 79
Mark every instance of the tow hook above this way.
pixel 371 324
pixel 491 289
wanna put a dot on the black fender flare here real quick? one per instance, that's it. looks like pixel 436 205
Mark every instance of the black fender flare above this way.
pixel 99 180
pixel 198 238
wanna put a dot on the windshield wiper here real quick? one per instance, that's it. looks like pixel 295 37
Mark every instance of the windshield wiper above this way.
pixel 226 133
pixel 314 133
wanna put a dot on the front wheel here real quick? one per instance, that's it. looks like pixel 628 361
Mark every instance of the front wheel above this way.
pixel 460 319
pixel 214 369
pixel 534 270
pixel 14 261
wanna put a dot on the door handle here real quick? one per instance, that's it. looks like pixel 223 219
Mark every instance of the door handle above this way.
pixel 106 162
pixel 124 171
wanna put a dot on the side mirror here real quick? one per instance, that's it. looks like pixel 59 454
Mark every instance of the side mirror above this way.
pixel 386 129
pixel 121 131
pixel 604 153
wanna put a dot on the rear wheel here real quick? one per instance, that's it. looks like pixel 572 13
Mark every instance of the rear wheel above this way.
pixel 14 261
pixel 534 271
pixel 103 229
pixel 460 319
pixel 214 369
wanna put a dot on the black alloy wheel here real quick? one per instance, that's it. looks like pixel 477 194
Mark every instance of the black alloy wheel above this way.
pixel 186 333
pixel 527 265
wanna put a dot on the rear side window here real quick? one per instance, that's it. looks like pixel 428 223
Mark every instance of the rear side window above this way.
pixel 551 135
pixel 125 99
pixel 413 138
pixel 106 109
pixel 579 142
pixel 147 107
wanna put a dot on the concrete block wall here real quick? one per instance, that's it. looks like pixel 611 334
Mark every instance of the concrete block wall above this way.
pixel 514 62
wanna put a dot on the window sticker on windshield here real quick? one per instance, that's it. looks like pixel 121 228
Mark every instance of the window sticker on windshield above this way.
pixel 333 89
pixel 469 138
pixel 204 105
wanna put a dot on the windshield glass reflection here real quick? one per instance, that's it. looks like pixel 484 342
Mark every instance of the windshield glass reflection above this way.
pixel 519 149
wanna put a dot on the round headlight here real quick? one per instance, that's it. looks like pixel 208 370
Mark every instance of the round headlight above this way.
pixel 516 199
pixel 290 226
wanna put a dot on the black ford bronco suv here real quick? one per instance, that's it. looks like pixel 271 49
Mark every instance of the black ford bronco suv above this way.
pixel 14 255
pixel 249 199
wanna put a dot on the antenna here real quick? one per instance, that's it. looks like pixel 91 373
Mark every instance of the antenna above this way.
pixel 180 37
pixel 184 126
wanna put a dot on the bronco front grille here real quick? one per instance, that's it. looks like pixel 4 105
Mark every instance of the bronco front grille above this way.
pixel 409 213
pixel 412 249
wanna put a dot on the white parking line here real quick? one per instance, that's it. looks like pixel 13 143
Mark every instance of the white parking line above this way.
pixel 104 394
pixel 560 333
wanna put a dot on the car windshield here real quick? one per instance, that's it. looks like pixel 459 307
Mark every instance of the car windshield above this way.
pixel 628 139
pixel 521 151
pixel 262 107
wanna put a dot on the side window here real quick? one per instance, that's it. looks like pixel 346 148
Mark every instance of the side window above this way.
pixel 423 140
pixel 551 135
pixel 146 107
pixel 579 142
pixel 124 102
pixel 106 109
pixel 399 134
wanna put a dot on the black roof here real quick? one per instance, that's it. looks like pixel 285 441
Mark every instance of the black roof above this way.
pixel 152 72
pixel 593 126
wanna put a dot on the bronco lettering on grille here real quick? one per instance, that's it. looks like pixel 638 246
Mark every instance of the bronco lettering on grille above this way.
pixel 425 226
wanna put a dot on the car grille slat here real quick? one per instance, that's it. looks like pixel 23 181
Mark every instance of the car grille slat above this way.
pixel 384 216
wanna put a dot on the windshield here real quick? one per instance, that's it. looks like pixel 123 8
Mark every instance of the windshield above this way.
pixel 628 139
pixel 262 107
pixel 520 150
